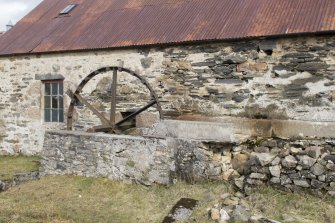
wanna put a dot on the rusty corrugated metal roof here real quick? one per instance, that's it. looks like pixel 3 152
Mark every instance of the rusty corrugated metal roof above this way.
pixel 101 24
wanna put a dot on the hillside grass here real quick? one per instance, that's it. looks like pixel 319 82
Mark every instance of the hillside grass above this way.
pixel 79 199
pixel 11 165
pixel 72 199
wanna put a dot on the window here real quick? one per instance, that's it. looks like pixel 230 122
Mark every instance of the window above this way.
pixel 67 9
pixel 53 101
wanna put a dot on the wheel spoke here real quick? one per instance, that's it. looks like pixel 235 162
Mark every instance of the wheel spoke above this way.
pixel 136 113
pixel 96 112
pixel 113 98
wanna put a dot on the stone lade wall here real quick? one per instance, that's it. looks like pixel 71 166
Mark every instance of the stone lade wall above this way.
pixel 280 79
pixel 124 158
pixel 287 164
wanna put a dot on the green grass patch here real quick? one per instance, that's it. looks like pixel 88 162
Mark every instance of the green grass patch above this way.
pixel 11 165
pixel 68 199
pixel 65 199
pixel 79 199
pixel 301 205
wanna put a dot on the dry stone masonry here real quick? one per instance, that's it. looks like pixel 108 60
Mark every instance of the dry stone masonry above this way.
pixel 287 164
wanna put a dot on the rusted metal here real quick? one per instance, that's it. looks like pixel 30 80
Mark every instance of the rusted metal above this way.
pixel 102 24
pixel 109 125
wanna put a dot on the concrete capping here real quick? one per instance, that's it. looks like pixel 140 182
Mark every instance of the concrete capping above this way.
pixel 86 134
pixel 225 129
pixel 45 77
pixel 231 129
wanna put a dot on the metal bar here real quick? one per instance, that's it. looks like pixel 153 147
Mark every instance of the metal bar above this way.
pixel 96 112
pixel 104 128
pixel 113 99
pixel 100 128
pixel 136 113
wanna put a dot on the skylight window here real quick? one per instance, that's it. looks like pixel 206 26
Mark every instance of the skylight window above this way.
pixel 67 9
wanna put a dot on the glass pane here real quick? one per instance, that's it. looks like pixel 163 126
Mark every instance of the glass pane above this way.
pixel 54 102
pixel 54 88
pixel 61 102
pixel 54 115
pixel 47 115
pixel 61 89
pixel 47 89
pixel 61 116
pixel 47 102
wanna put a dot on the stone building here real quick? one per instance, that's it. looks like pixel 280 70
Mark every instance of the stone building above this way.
pixel 222 70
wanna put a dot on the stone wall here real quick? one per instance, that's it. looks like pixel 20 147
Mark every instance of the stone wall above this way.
pixel 289 164
pixel 286 163
pixel 277 79
pixel 124 158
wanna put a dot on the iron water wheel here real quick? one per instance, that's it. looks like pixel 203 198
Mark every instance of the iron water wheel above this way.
pixel 110 125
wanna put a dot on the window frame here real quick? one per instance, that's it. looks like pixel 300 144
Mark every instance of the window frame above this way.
pixel 56 112
pixel 68 9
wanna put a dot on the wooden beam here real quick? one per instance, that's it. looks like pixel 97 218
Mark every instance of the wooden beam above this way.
pixel 113 99
pixel 96 112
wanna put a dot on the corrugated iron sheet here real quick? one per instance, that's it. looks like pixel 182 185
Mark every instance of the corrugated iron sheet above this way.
pixel 100 24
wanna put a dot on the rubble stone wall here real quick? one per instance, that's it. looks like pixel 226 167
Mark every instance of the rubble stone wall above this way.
pixel 285 163
pixel 124 158
pixel 283 79
pixel 290 164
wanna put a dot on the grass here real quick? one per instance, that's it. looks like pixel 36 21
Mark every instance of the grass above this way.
pixel 65 199
pixel 78 199
pixel 303 206
pixel 72 199
pixel 11 165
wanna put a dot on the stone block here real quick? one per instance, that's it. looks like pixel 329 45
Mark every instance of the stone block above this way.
pixel 289 162
pixel 49 76
pixel 318 169
pixel 146 62
pixel 275 171
pixel 330 158
pixel 264 158
pixel 312 66
pixel 239 161
pixel 146 119
pixel 314 151
pixel 306 161
pixel 275 180
pixel 259 176
pixel 249 67
pixel 301 183
pixel 234 59
pixel 317 184
pixel 269 143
